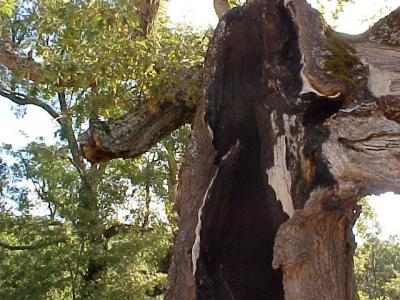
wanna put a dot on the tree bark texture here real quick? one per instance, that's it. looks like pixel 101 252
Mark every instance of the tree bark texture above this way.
pixel 135 132
pixel 297 123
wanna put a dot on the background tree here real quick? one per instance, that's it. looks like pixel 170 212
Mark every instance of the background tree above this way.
pixel 376 260
pixel 81 61
pixel 47 253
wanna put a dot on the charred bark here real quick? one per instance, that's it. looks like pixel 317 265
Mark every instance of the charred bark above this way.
pixel 293 129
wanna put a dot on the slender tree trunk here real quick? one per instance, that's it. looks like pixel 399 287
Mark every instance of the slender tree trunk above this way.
pixel 172 183
pixel 288 137
pixel 91 229
pixel 147 211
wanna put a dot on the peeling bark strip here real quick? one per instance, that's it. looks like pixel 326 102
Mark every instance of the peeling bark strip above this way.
pixel 196 244
pixel 196 174
pixel 279 177
pixel 300 100
pixel 227 160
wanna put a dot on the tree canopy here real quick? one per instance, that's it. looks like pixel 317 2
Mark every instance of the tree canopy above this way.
pixel 72 229
pixel 377 263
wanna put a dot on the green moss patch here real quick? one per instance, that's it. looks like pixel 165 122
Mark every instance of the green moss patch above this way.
pixel 342 63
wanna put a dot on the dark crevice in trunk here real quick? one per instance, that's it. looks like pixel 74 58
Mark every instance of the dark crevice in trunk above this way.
pixel 319 109
pixel 316 111
pixel 241 215
pixel 260 149
pixel 238 236
pixel 316 135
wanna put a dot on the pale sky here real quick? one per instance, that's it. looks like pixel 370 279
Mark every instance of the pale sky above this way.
pixel 201 14
pixel 352 21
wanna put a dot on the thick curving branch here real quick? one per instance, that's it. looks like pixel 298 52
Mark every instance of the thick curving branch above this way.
pixel 135 132
pixel 141 128
pixel 35 246
pixel 18 64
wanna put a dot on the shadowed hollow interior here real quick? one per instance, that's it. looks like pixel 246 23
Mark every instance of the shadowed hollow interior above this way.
pixel 241 214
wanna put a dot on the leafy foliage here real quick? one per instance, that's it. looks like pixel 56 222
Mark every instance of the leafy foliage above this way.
pixel 134 238
pixel 94 53
pixel 71 229
pixel 339 7
pixel 377 261
pixel 7 7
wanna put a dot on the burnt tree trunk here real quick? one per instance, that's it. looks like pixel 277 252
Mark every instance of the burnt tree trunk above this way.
pixel 296 125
